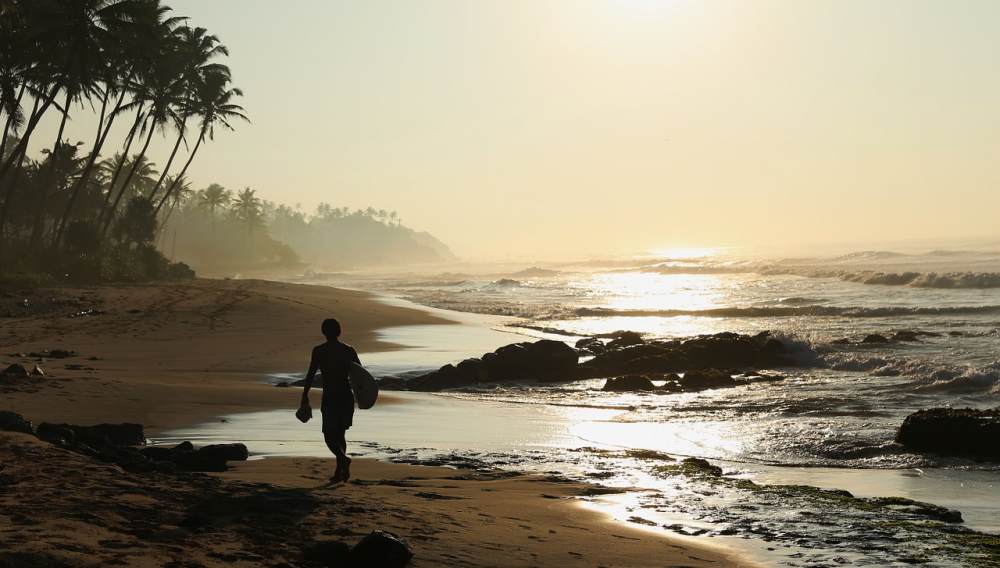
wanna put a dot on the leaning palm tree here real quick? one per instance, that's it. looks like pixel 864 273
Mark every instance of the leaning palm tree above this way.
pixel 126 49
pixel 213 103
pixel 160 89
pixel 198 48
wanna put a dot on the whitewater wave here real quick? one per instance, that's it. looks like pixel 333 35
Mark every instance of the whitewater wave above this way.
pixel 930 377
pixel 794 311
pixel 956 280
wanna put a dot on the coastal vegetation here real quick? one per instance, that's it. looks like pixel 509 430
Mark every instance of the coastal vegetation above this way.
pixel 90 211
pixel 104 210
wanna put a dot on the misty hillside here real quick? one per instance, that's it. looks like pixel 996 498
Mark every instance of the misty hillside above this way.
pixel 217 231
pixel 359 240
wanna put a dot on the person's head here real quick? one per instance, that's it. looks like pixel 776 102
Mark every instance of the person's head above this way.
pixel 331 329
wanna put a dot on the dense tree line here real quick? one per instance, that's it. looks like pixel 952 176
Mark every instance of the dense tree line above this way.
pixel 224 232
pixel 92 210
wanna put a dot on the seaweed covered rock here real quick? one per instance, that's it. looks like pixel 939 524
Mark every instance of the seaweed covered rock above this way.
pixel 544 360
pixel 964 432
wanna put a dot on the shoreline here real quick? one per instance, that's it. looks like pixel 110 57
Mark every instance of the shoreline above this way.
pixel 197 342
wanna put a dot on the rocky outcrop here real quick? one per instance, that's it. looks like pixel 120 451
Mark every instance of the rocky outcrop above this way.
pixel 722 350
pixel 16 370
pixel 100 435
pixel 691 381
pixel 875 339
pixel 964 432
pixel 626 354
pixel 544 360
pixel 13 422
pixel 185 457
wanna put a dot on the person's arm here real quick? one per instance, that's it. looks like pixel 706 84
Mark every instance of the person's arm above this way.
pixel 309 379
pixel 354 353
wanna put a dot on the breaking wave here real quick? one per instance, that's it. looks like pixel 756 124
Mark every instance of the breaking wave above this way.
pixel 794 311
pixel 930 377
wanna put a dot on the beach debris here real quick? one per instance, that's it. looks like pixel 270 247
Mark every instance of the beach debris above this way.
pixel 13 422
pixel 963 432
pixel 53 354
pixel 87 313
pixel 382 549
pixel 37 371
pixel 15 370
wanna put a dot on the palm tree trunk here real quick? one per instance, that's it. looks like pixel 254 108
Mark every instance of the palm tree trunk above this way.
pixel 180 176
pixel 36 230
pixel 10 120
pixel 128 179
pixel 118 168
pixel 173 153
pixel 89 168
pixel 6 204
pixel 36 117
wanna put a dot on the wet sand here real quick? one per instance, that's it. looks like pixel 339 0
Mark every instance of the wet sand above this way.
pixel 174 355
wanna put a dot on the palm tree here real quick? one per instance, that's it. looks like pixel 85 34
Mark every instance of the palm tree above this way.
pixel 248 208
pixel 160 90
pixel 67 37
pixel 125 49
pixel 213 103
pixel 198 48
pixel 214 197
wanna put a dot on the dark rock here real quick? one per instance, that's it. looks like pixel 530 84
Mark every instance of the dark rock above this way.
pixel 702 379
pixel 625 339
pixel 331 553
pixel 12 422
pixel 58 434
pixel 629 383
pixel 963 432
pixel 381 549
pixel 906 335
pixel 875 338
pixel 392 383
pixel 15 370
pixel 102 434
pixel 226 452
pixel 37 371
pixel 591 345
pixel 208 458
pixel 541 360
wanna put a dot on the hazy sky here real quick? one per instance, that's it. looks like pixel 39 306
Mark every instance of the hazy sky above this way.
pixel 575 128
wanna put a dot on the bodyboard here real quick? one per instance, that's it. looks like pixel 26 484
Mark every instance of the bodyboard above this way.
pixel 364 385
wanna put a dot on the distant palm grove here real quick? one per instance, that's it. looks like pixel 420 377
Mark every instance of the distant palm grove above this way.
pixel 104 210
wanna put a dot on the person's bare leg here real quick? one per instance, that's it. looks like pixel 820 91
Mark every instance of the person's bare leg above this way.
pixel 342 441
pixel 334 442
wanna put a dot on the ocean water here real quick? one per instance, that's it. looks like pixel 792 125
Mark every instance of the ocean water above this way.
pixel 830 425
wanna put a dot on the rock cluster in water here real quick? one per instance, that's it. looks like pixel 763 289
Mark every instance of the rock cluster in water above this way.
pixel 707 361
pixel 964 432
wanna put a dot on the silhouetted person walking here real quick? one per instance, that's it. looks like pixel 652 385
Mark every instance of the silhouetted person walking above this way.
pixel 334 359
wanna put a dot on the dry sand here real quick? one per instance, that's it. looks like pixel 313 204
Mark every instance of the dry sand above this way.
pixel 175 354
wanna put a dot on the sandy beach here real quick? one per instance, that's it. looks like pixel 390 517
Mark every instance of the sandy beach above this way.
pixel 174 355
